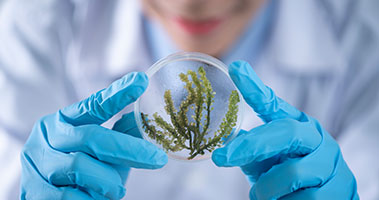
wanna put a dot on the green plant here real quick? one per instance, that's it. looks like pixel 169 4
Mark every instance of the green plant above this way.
pixel 183 133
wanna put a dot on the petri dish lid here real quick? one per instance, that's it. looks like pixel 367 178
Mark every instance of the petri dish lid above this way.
pixel 164 76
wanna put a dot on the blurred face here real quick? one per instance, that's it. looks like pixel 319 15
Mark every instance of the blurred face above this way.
pixel 208 26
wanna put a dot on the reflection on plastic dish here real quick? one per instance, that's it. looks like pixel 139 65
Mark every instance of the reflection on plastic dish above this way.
pixel 190 107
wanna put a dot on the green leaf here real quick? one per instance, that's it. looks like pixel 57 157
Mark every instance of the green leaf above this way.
pixel 181 131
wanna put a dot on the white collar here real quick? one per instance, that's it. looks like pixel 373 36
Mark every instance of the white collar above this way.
pixel 127 50
pixel 302 39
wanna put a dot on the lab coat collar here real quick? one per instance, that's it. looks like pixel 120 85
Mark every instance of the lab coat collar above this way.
pixel 127 49
pixel 302 39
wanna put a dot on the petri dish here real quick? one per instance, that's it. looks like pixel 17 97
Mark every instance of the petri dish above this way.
pixel 184 123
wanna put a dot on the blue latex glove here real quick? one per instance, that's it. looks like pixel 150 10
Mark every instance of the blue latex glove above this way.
pixel 289 157
pixel 70 156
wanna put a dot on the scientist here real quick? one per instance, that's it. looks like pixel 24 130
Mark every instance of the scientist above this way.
pixel 319 56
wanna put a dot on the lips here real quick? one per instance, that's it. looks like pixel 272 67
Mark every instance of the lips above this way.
pixel 197 27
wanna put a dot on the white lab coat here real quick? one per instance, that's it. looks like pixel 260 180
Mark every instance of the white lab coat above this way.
pixel 322 57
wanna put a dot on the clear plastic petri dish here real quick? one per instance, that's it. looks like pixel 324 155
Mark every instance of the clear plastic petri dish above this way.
pixel 190 107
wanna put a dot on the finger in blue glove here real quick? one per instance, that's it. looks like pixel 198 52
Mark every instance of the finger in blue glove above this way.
pixel 70 156
pixel 291 156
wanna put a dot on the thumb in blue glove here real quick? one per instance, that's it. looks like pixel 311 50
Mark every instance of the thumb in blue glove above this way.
pixel 69 155
pixel 289 157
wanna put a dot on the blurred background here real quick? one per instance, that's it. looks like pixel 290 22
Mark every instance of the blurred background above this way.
pixel 319 55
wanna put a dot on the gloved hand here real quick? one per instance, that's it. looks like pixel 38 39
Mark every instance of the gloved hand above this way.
pixel 70 156
pixel 289 157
